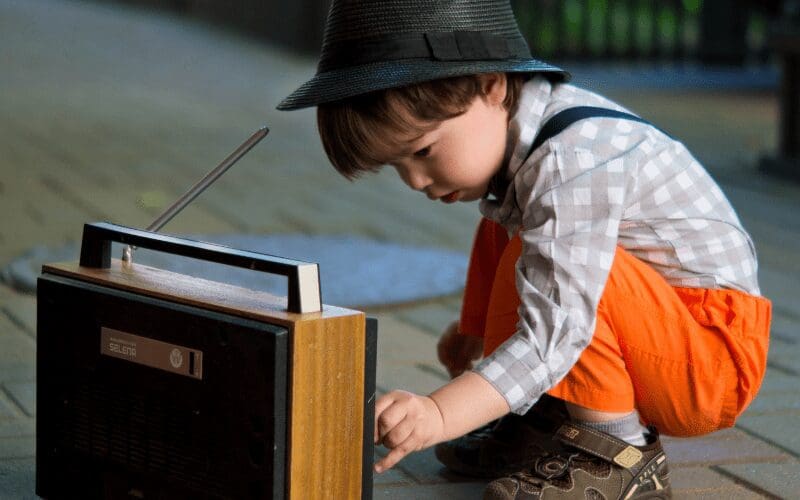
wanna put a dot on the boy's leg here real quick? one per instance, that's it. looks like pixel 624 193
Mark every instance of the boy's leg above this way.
pixel 595 456
pixel 687 359
pixel 662 349
pixel 500 447
pixel 637 288
pixel 488 247
pixel 502 312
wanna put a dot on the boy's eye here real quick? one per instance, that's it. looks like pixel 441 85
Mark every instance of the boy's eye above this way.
pixel 422 153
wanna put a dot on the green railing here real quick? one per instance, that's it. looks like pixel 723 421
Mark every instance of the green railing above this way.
pixel 723 31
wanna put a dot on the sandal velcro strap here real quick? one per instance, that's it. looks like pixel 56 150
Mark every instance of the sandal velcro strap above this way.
pixel 600 445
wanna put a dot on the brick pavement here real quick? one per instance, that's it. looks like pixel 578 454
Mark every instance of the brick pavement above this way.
pixel 109 113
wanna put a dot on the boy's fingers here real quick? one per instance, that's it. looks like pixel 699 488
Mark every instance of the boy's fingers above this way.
pixel 394 456
pixel 387 420
pixel 381 405
pixel 398 434
pixel 383 402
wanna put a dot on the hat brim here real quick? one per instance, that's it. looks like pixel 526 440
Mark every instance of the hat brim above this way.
pixel 344 83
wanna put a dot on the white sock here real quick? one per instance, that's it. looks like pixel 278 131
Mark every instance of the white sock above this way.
pixel 626 428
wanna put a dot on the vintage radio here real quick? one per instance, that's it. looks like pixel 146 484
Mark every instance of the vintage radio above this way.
pixel 157 385
pixel 152 384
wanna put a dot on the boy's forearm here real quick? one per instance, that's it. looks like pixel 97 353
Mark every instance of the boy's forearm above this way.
pixel 468 402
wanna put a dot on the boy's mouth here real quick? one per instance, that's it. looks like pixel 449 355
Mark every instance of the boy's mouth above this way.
pixel 450 198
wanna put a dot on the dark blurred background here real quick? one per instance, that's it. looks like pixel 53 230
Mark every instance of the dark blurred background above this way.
pixel 754 34
pixel 709 31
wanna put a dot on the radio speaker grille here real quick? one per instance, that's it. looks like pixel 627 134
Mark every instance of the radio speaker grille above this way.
pixel 113 425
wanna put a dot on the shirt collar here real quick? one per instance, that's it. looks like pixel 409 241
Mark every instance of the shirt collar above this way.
pixel 527 121
pixel 522 130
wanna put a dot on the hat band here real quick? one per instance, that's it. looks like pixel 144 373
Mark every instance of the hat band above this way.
pixel 438 46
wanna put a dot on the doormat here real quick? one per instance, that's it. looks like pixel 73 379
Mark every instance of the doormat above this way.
pixel 354 272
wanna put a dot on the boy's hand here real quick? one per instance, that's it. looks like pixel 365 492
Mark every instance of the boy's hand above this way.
pixel 457 352
pixel 406 422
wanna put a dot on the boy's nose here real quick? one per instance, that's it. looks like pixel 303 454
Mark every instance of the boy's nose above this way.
pixel 419 183
pixel 416 180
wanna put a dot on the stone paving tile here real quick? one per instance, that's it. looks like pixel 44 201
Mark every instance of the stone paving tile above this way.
pixel 733 493
pixel 401 348
pixel 23 394
pixel 20 309
pixel 17 447
pixel 685 479
pixel 778 398
pixel 18 352
pixel 432 318
pixel 423 467
pixel 435 369
pixel 781 480
pixel 5 293
pixel 17 370
pixel 17 479
pixel 17 343
pixel 445 491
pixel 10 327
pixel 785 327
pixel 782 353
pixel 21 426
pixel 394 476
pixel 8 409
pixel 778 382
pixel 780 287
pixel 725 446
pixel 779 430
pixel 415 468
pixel 789 369
pixel 786 403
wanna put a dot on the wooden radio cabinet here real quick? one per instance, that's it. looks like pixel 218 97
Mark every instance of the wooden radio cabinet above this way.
pixel 157 385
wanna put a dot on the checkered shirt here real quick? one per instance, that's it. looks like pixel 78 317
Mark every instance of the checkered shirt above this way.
pixel 600 183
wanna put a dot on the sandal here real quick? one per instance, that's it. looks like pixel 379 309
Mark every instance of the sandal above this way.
pixel 591 465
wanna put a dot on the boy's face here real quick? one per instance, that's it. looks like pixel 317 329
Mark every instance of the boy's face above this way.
pixel 456 160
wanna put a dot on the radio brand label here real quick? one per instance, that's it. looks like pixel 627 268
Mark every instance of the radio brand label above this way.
pixel 150 352
pixel 122 347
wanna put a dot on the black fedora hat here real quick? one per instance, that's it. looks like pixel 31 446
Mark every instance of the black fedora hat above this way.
pixel 373 45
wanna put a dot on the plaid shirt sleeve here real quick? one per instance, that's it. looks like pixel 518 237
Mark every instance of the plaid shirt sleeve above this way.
pixel 569 235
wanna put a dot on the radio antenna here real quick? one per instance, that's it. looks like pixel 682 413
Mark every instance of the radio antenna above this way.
pixel 199 187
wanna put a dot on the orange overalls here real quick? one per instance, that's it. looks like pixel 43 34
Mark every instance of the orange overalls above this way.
pixel 689 360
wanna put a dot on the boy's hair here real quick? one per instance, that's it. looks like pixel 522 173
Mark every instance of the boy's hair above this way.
pixel 353 129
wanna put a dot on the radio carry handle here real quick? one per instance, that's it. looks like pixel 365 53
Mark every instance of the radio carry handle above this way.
pixel 304 295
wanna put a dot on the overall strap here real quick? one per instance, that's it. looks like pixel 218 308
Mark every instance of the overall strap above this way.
pixel 563 119
pixel 554 126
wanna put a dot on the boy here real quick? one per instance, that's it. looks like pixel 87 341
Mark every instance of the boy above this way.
pixel 609 273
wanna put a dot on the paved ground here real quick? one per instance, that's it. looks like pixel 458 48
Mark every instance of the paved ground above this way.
pixel 108 113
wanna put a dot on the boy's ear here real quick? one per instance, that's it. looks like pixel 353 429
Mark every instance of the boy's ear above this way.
pixel 493 86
